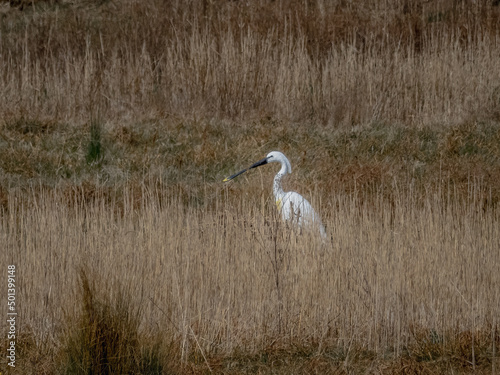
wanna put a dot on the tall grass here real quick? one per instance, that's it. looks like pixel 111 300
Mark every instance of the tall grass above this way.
pixel 120 119
pixel 334 63
pixel 414 280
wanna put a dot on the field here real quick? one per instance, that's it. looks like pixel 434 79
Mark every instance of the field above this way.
pixel 119 121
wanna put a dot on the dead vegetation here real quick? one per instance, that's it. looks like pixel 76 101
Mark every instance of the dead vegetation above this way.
pixel 161 287
pixel 119 121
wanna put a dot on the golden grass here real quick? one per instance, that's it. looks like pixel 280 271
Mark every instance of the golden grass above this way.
pixel 415 280
pixel 331 63
pixel 119 121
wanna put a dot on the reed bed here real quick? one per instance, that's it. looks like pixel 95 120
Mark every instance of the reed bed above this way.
pixel 415 280
pixel 119 120
pixel 331 63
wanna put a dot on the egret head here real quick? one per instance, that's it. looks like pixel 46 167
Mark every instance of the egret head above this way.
pixel 272 157
pixel 279 157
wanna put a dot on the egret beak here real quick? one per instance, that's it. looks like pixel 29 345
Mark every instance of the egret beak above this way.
pixel 254 165
pixel 235 175
pixel 259 163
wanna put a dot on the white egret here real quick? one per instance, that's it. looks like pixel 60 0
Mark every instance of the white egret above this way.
pixel 292 206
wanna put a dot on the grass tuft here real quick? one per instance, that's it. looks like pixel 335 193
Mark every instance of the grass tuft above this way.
pixel 105 338
pixel 95 150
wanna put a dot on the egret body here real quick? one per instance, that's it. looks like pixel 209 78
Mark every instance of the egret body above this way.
pixel 292 206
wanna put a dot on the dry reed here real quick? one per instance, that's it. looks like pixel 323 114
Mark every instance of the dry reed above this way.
pixel 232 279
pixel 119 119
pixel 338 65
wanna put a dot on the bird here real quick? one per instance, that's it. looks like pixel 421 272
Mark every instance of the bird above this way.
pixel 292 206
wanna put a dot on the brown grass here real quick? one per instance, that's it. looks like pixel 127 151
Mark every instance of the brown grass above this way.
pixel 120 119
pixel 333 63
pixel 230 287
